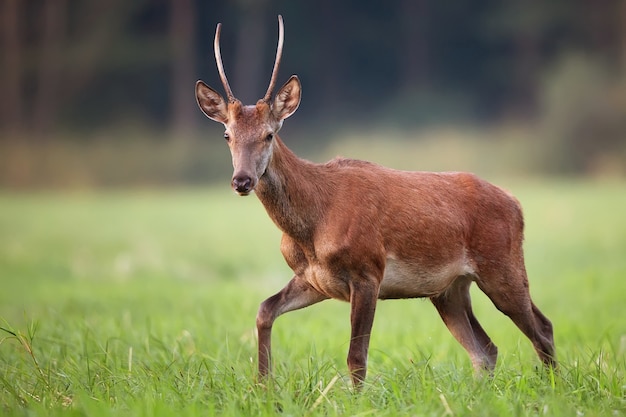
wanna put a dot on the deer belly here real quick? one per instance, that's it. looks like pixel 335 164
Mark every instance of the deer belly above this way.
pixel 405 280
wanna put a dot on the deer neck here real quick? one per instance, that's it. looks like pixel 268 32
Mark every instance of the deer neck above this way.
pixel 289 193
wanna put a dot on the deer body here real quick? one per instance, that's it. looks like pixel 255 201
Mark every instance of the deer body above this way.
pixel 419 240
pixel 359 232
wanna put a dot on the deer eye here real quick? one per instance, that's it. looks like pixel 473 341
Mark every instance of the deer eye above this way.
pixel 226 136
pixel 269 137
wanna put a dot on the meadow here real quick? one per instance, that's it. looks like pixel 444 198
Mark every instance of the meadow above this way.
pixel 143 303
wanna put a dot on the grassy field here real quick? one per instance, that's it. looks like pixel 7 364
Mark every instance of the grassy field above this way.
pixel 143 303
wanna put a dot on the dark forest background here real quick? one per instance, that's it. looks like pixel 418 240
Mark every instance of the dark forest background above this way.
pixel 102 92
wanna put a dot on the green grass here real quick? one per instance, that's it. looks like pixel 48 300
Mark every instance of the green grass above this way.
pixel 144 303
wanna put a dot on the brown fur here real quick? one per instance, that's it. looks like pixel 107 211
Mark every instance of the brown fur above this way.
pixel 356 231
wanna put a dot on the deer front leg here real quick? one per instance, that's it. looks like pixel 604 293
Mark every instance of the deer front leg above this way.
pixel 295 295
pixel 363 297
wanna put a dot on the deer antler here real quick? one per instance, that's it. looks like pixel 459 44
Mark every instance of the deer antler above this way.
pixel 279 54
pixel 220 66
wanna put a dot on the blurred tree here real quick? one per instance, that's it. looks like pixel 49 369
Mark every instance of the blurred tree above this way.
pixel 252 51
pixel 527 62
pixel 331 68
pixel 521 24
pixel 182 43
pixel 621 24
pixel 415 59
pixel 49 82
pixel 11 75
pixel 99 25
pixel 600 24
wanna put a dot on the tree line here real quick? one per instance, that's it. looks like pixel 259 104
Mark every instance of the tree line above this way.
pixel 80 65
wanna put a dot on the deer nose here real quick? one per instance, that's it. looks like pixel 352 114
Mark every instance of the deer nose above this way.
pixel 242 184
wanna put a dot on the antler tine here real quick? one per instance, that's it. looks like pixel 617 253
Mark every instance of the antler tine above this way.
pixel 220 66
pixel 279 54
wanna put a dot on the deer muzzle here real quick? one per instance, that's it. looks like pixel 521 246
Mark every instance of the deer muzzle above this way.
pixel 243 184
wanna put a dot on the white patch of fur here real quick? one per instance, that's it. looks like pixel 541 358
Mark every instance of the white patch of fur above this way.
pixel 403 279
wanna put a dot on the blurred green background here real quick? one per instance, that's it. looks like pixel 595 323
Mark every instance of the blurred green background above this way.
pixel 101 94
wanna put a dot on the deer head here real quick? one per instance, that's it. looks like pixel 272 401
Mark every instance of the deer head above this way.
pixel 250 129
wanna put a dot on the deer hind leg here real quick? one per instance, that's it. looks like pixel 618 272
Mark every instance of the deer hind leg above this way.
pixel 509 293
pixel 295 295
pixel 455 308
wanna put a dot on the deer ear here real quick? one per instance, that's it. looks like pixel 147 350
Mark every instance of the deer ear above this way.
pixel 211 103
pixel 287 99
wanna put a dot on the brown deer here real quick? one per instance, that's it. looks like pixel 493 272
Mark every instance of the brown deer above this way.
pixel 358 232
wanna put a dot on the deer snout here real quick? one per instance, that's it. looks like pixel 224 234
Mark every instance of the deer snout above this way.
pixel 243 184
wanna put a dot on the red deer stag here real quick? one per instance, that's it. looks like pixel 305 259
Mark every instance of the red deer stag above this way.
pixel 359 232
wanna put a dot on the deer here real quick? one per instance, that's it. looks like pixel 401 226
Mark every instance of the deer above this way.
pixel 360 232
